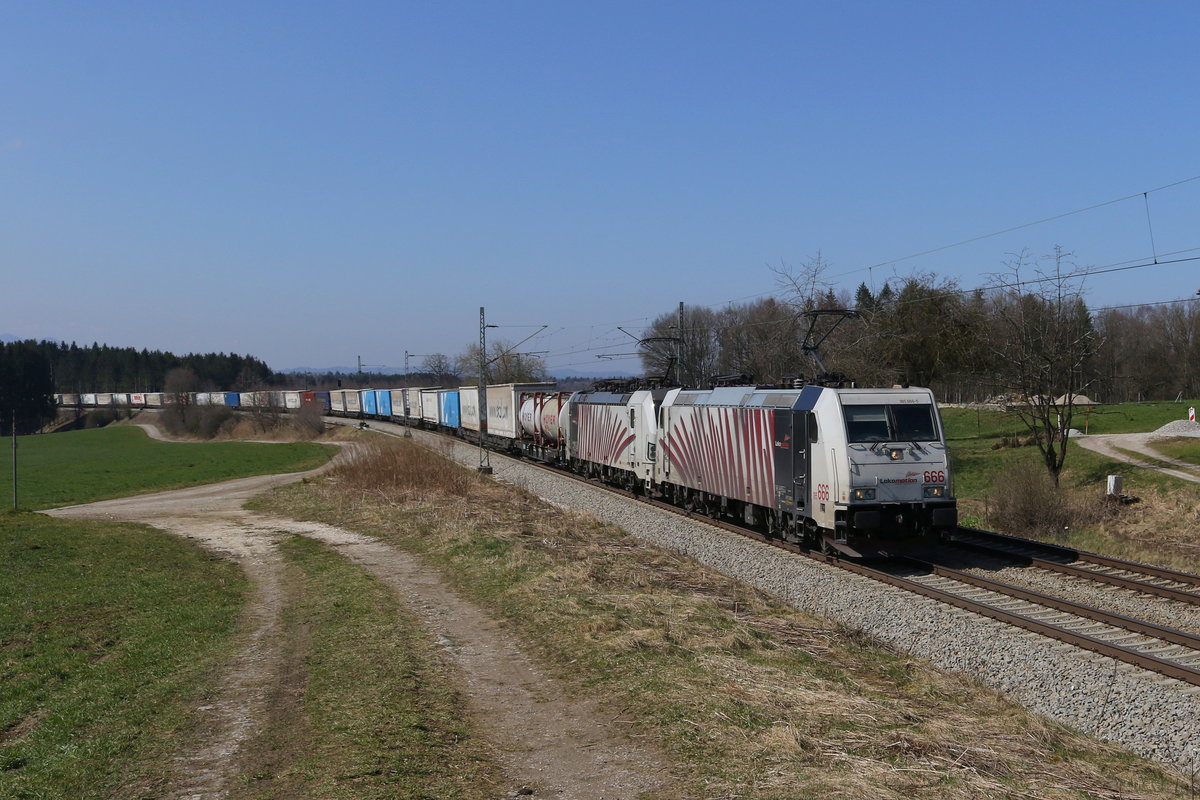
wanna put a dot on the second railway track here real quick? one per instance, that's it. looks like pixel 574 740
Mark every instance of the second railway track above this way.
pixel 1143 644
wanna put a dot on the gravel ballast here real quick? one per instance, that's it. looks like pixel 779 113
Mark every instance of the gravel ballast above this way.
pixel 1151 715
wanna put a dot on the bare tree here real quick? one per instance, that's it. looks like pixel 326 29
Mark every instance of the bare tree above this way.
pixel 439 366
pixel 504 364
pixel 689 355
pixel 761 339
pixel 1043 338
pixel 827 320
pixel 806 286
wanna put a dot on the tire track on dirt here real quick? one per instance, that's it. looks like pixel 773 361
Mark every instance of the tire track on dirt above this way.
pixel 564 747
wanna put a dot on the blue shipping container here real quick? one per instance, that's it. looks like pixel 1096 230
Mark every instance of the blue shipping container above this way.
pixel 323 399
pixel 383 401
pixel 448 406
pixel 369 406
pixel 231 399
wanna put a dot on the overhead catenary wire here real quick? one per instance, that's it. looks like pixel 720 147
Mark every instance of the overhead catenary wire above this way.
pixel 1022 226
pixel 1155 260
pixel 1010 229
pixel 1116 267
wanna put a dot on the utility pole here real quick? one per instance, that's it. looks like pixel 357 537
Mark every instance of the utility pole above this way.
pixel 368 366
pixel 408 355
pixel 679 348
pixel 14 451
pixel 407 384
pixel 485 463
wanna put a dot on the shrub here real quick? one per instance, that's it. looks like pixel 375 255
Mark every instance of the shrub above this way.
pixel 1024 502
pixel 403 470
pixel 308 422
pixel 204 422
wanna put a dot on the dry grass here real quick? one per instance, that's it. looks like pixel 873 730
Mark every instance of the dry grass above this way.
pixel 753 699
pixel 390 473
pixel 1163 527
pixel 1025 502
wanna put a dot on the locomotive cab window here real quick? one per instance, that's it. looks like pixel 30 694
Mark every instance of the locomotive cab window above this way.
pixel 890 423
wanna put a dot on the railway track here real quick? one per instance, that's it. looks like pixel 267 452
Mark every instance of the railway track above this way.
pixel 1156 648
pixel 1179 586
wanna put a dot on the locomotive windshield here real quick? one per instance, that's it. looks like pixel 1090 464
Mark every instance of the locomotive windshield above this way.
pixel 890 423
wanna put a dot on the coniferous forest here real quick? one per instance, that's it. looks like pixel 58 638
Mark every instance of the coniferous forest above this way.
pixel 100 368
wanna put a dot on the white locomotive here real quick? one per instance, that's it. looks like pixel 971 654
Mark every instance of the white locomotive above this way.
pixel 854 470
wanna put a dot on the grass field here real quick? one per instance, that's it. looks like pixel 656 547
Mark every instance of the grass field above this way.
pixel 85 466
pixel 1185 448
pixel 108 633
pixel 1162 528
pixel 971 423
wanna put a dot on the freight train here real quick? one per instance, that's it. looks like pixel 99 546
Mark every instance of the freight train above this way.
pixel 858 471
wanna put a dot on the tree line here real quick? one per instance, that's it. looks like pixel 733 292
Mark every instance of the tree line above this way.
pixel 101 368
pixel 1031 334
pixel 1029 343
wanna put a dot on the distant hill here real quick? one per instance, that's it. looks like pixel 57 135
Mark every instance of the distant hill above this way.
pixel 570 374
pixel 350 370
pixel 8 337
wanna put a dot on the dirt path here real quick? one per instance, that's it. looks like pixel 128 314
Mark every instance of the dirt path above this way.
pixel 562 748
pixel 1107 444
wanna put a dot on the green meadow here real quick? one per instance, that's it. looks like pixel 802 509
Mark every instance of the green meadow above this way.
pixel 977 437
pixel 84 466
pixel 988 451
pixel 110 632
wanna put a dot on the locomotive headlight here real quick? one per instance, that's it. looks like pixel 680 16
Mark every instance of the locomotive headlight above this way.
pixel 935 491
pixel 862 494
pixel 895 454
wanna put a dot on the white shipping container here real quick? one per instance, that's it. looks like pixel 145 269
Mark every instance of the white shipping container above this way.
pixel 291 400
pixel 412 404
pixel 504 407
pixel 468 407
pixel 429 406
pixel 337 400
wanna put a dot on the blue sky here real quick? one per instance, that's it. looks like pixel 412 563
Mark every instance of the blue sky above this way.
pixel 313 182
